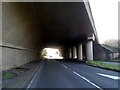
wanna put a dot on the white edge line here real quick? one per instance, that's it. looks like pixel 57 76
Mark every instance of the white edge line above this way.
pixel 38 69
pixel 87 80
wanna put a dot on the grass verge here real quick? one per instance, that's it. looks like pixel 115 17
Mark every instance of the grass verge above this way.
pixel 8 75
pixel 104 65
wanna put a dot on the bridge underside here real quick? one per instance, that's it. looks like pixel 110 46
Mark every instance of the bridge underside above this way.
pixel 28 27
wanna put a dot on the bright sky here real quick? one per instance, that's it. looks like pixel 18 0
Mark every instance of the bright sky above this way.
pixel 51 51
pixel 105 14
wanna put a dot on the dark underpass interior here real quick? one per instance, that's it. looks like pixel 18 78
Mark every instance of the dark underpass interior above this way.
pixel 29 27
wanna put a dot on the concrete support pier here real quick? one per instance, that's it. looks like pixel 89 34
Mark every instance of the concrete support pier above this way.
pixel 70 52
pixel 80 52
pixel 89 50
pixel 74 52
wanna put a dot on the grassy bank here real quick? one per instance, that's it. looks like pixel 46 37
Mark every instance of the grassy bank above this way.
pixel 104 65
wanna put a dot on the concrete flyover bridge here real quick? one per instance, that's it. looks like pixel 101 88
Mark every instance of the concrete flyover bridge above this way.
pixel 28 27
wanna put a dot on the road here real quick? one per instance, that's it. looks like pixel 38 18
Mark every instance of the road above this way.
pixel 61 74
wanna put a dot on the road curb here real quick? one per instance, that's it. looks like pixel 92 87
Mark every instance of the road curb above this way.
pixel 102 67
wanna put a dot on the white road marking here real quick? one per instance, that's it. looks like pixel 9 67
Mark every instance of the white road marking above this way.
pixel 87 80
pixel 83 78
pixel 39 68
pixel 69 69
pixel 109 76
pixel 64 66
pixel 58 62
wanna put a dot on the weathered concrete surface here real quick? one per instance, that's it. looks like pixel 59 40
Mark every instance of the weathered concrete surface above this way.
pixel 18 28
pixel 14 58
pixel 18 33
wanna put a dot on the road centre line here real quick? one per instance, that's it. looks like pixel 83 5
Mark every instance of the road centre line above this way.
pixel 64 66
pixel 87 80
pixel 83 78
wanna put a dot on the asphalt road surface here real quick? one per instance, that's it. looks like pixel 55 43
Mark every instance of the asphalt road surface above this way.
pixel 62 74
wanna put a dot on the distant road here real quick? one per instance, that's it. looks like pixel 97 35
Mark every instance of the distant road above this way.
pixel 58 74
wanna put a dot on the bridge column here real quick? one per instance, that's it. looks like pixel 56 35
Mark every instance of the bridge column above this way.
pixel 70 52
pixel 66 51
pixel 89 50
pixel 80 52
pixel 74 52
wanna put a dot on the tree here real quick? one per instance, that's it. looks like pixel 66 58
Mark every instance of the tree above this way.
pixel 112 43
pixel 44 52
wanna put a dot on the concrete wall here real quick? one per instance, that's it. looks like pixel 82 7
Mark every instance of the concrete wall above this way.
pixel 20 37
pixel 99 56
pixel 15 58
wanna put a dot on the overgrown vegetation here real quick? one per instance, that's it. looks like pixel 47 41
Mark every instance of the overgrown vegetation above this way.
pixel 104 65
pixel 44 54
pixel 7 75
